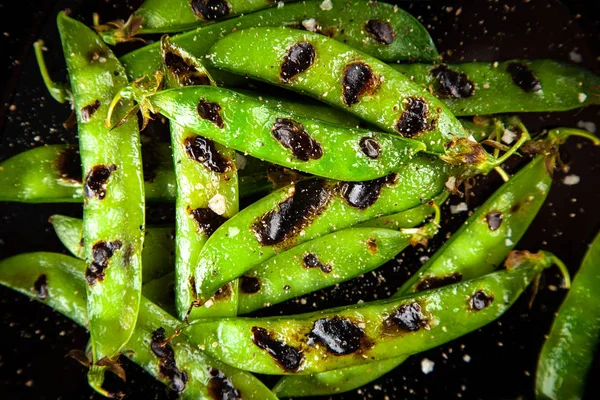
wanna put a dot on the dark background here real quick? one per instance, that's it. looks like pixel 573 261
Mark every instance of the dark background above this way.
pixel 503 355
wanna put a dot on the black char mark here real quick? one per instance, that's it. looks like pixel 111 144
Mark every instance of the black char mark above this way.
pixel 370 147
pixel 184 71
pixel 494 219
pixel 298 59
pixel 358 80
pixel 407 318
pixel 309 199
pixel 204 151
pixel 312 261
pixel 89 110
pixel 102 251
pixel 68 164
pixel 364 194
pixel 434 282
pixel 95 181
pixel 41 287
pixel 210 111
pixel 167 366
pixel 249 284
pixel 292 135
pixel 452 84
pixel 339 335
pixel 413 120
pixel 210 9
pixel 221 388
pixel 523 77
pixel 381 31
pixel 207 220
pixel 286 356
pixel 480 300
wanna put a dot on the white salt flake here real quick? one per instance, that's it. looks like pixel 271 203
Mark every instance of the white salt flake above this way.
pixel 575 56
pixel 280 4
pixel 427 365
pixel 508 242
pixel 310 25
pixel 467 358
pixel 571 180
pixel 581 97
pixel 218 204
pixel 233 231
pixel 240 161
pixel 587 125
pixel 460 207
pixel 451 183
pixel 508 136
pixel 326 5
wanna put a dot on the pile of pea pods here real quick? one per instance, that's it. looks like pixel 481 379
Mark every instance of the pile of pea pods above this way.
pixel 343 177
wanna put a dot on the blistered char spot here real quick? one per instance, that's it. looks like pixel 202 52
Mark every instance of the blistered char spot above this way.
pixel 381 31
pixel 370 147
pixel 364 194
pixel 68 165
pixel 186 73
pixel 292 135
pixel 96 179
pixel 249 284
pixel 208 221
pixel 41 287
pixel 480 300
pixel 339 335
pixel 204 151
pixel 210 111
pixel 372 245
pixel 434 282
pixel 407 318
pixel 298 59
pixel 494 219
pixel 223 293
pixel 286 356
pixel 102 251
pixel 210 9
pixel 413 120
pixel 88 111
pixel 452 84
pixel 312 261
pixel 221 388
pixel 358 80
pixel 167 366
pixel 523 77
pixel 309 199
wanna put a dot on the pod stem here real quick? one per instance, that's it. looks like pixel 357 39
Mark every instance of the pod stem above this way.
pixel 58 91
pixel 424 233
pixel 561 134
pixel 505 177
pixel 563 270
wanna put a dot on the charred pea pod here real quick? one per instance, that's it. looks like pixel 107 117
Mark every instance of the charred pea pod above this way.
pixel 378 29
pixel 379 330
pixel 481 88
pixel 57 281
pixel 569 350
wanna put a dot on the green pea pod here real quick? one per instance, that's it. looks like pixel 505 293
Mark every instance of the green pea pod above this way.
pixel 379 330
pixel 347 21
pixel 481 88
pixel 57 281
pixel 571 347
pixel 113 213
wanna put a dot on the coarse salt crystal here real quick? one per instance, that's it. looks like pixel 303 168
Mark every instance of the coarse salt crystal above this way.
pixel 427 365
pixel 460 207
pixel 508 136
pixel 587 125
pixel 326 5
pixel 218 204
pixel 581 97
pixel 571 180
pixel 575 56
pixel 310 25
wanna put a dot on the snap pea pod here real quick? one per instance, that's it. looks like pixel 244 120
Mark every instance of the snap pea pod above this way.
pixel 57 281
pixel 379 330
pixel 481 88
pixel 347 21
pixel 302 143
pixel 113 212
pixel 572 345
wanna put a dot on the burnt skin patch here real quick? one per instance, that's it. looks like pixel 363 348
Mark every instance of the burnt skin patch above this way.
pixel 358 80
pixel 210 111
pixel 167 366
pixel 102 251
pixel 40 287
pixel 249 284
pixel 381 31
pixel 480 300
pixel 434 282
pixel 372 245
pixel 223 293
pixel 96 179
pixel 523 77
pixel 494 219
pixel 221 388
pixel 297 60
pixel 292 135
pixel 204 151
pixel 364 194
pixel 370 147
pixel 312 261
pixel 185 73
pixel 452 84
pixel 88 111
pixel 68 165
pixel 210 9
pixel 339 335
pixel 288 357
pixel 309 199
pixel 207 220
pixel 406 318
pixel 413 120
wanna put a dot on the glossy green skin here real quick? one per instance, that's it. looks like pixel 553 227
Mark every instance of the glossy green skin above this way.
pixel 234 249
pixel 66 294
pixel 572 345
pixel 114 302
pixel 564 87
pixel 260 52
pixel 414 42
pixel 248 124
pixel 447 309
